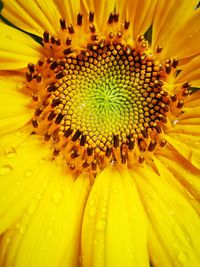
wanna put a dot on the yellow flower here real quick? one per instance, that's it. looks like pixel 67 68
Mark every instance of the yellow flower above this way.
pixel 99 133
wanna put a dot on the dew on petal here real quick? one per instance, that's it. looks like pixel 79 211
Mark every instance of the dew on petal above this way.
pixel 28 173
pixel 5 170
pixel 56 197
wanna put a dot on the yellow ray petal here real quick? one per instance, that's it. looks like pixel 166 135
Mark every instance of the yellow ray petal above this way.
pixel 17 49
pixel 168 24
pixel 114 229
pixel 19 177
pixel 69 9
pixel 32 16
pixel 184 172
pixel 173 224
pixel 190 73
pixel 102 10
pixel 48 233
pixel 192 154
pixel 183 42
pixel 14 110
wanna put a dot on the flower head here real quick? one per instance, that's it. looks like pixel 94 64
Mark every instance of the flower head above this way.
pixel 99 133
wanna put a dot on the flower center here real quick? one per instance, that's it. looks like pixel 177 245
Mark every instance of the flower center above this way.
pixel 102 103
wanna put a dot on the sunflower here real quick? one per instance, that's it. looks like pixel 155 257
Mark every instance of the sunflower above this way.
pixel 100 139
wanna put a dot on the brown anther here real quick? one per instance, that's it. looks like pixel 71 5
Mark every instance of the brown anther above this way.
pixel 116 16
pixel 53 65
pixel 126 25
pixel 144 133
pixel 59 118
pixel 29 76
pixel 92 28
pixel 35 97
pixel 68 41
pixel 71 29
pixel 116 141
pixel 67 51
pixel 52 88
pixel 159 49
pixel 57 41
pixel 168 68
pixel 79 19
pixel 186 85
pixel 91 16
pixel 56 151
pixel 86 164
pixel 76 136
pixel 34 122
pixel 111 35
pixel 119 34
pixel 52 39
pixel 38 77
pixel 51 116
pixel 40 62
pixel 158 129
pixel 94 165
pixel 94 37
pixel 46 36
pixel 163 142
pixel 31 67
pixel 39 111
pixel 140 38
pixel 175 63
pixel 180 104
pixel 186 92
pixel 108 151
pixel 83 140
pixel 90 151
pixel 111 18
pixel 63 24
pixel 131 144
pixel 141 159
pixel 152 145
pixel 47 136
pixel 55 102
pixel 173 97
pixel 123 157
pixel 68 132
pixel 60 75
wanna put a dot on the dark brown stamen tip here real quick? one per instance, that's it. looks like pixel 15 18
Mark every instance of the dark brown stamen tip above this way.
pixel 35 97
pixel 180 104
pixel 31 67
pixel 186 85
pixel 29 76
pixel 68 132
pixel 152 145
pixel 175 63
pixel 86 164
pixel 108 151
pixel 63 24
pixel 91 16
pixel 51 115
pixel 90 151
pixel 55 102
pixel 79 19
pixel 116 141
pixel 59 118
pixel 141 159
pixel 46 36
pixel 83 140
pixel 47 136
pixel 67 51
pixel 159 49
pixel 126 25
pixel 71 29
pixel 116 17
pixel 56 151
pixel 53 65
pixel 52 88
pixel 163 142
pixel 92 28
pixel 68 41
pixel 131 144
pixel 76 136
pixel 34 122
pixel 111 18
pixel 60 75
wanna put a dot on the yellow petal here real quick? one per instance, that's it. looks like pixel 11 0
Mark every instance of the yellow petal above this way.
pixel 69 9
pixel 32 16
pixel 192 154
pixel 190 73
pixel 48 233
pixel 174 226
pixel 193 99
pixel 102 10
pixel 14 110
pixel 139 13
pixel 169 27
pixel 17 49
pixel 114 228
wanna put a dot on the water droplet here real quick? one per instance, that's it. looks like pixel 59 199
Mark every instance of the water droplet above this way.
pixel 5 170
pixel 101 224
pixel 32 208
pixel 181 256
pixel 175 122
pixel 93 212
pixel 42 161
pixel 56 197
pixel 10 152
pixel 28 173
pixel 22 229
